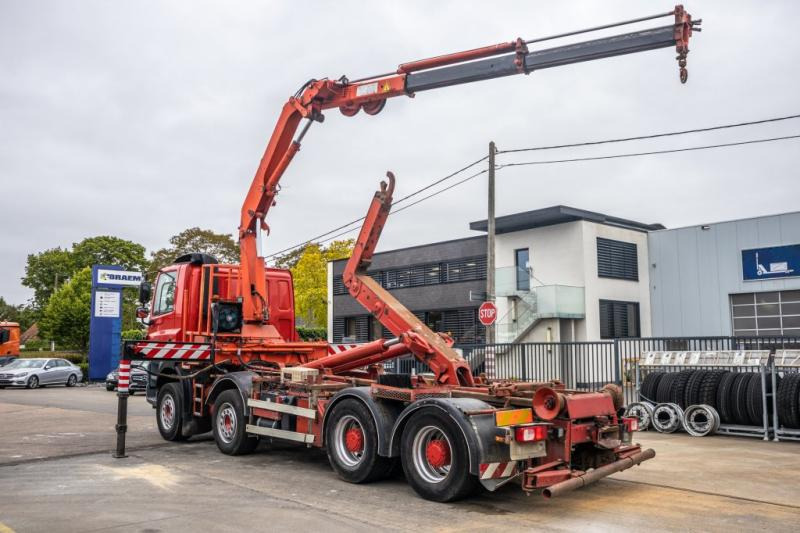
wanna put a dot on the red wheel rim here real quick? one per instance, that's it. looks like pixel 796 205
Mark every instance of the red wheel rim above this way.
pixel 354 440
pixel 437 452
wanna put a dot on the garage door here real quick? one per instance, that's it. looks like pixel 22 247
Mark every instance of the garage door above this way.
pixel 766 313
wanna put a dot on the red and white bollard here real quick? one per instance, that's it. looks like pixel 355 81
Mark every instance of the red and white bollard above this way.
pixel 123 383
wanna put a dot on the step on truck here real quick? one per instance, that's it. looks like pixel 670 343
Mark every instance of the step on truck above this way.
pixel 228 359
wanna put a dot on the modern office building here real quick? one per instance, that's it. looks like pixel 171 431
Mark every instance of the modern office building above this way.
pixel 740 277
pixel 562 274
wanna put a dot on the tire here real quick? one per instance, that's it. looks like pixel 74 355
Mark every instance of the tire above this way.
pixel 110 388
pixel 440 483
pixel 691 395
pixel 678 389
pixel 723 394
pixel 788 392
pixel 783 399
pixel 351 441
pixel 169 412
pixel 72 380
pixel 647 390
pixel 738 398
pixel 755 407
pixel 665 387
pixel 33 383
pixel 708 389
pixel 228 425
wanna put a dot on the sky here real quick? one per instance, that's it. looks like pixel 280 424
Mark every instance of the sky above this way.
pixel 142 119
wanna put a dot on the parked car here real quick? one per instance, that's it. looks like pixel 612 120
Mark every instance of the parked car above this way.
pixel 33 373
pixel 138 379
pixel 7 359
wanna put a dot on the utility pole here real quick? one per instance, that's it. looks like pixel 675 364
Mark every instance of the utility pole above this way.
pixel 490 270
pixel 55 288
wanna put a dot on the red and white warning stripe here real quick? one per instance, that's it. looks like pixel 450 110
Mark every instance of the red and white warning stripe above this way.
pixel 338 348
pixel 498 470
pixel 167 350
pixel 124 378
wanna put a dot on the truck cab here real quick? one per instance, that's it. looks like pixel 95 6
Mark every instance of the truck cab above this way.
pixel 183 294
pixel 9 339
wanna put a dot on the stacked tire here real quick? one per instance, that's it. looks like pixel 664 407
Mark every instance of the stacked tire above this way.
pixel 736 396
pixel 789 401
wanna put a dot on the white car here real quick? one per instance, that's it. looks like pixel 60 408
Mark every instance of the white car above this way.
pixel 32 373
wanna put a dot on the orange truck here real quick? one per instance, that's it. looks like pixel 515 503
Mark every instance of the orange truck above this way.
pixel 9 339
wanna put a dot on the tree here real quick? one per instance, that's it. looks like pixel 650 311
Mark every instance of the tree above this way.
pixel 66 317
pixel 220 245
pixel 310 280
pixel 21 314
pixel 107 250
pixel 46 269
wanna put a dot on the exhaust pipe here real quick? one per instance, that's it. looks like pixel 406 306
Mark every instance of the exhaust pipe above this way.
pixel 597 474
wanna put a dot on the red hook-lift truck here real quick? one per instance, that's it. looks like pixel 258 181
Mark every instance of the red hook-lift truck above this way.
pixel 228 358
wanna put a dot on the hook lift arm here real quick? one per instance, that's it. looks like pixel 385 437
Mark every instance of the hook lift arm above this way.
pixel 371 93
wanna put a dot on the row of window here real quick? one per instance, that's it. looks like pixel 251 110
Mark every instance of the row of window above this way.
pixel 773 313
pixel 468 269
pixel 461 324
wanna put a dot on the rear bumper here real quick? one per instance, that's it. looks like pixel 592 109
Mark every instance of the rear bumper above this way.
pixel 557 479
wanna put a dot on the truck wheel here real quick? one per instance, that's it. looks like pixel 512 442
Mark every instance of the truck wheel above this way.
pixel 109 388
pixel 169 409
pixel 229 425
pixel 351 440
pixel 436 459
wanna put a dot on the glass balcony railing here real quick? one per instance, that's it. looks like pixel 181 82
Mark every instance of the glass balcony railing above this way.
pixel 537 303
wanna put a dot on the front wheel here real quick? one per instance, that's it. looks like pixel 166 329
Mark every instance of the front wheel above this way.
pixel 72 380
pixel 33 382
pixel 109 387
pixel 169 409
pixel 351 440
pixel 436 459
pixel 229 425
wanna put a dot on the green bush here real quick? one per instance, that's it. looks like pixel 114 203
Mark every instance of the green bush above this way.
pixel 85 369
pixel 72 357
pixel 133 335
pixel 312 334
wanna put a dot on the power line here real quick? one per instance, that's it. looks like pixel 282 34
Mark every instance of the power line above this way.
pixel 652 136
pixel 655 152
pixel 319 238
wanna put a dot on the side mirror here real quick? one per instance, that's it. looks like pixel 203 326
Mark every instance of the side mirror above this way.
pixel 47 367
pixel 142 312
pixel 145 293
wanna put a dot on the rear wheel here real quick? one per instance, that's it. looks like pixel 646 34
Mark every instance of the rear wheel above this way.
pixel 436 459
pixel 229 425
pixel 169 409
pixel 33 382
pixel 72 380
pixel 351 440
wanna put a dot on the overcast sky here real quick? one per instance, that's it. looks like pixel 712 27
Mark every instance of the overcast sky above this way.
pixel 141 119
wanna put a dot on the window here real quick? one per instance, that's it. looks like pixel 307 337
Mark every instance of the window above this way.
pixel 4 335
pixel 617 259
pixel 468 269
pixel 773 313
pixel 433 319
pixel 165 293
pixel 521 261
pixel 619 319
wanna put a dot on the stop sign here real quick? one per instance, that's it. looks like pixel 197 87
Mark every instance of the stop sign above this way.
pixel 487 313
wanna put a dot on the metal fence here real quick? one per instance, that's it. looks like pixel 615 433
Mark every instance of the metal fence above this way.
pixel 590 365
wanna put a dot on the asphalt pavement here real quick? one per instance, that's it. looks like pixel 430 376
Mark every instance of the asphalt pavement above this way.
pixel 57 474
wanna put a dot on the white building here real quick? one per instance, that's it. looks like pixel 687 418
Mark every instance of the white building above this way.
pixel 565 274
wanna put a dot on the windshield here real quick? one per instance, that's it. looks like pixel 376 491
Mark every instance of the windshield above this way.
pixel 25 363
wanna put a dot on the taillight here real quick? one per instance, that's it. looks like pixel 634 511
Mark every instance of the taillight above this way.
pixel 631 424
pixel 530 433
